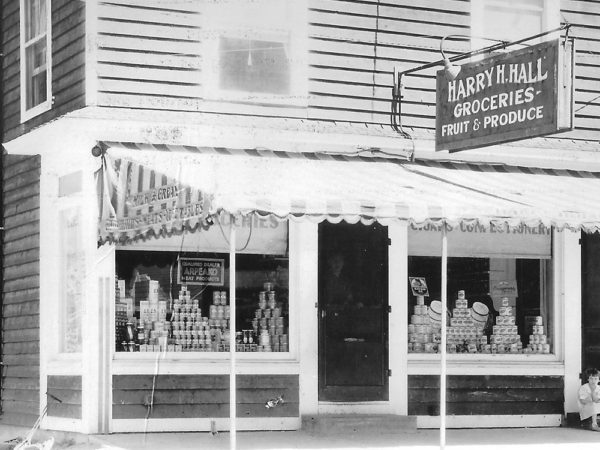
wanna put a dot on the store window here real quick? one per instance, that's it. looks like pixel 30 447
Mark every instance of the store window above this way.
pixel 179 300
pixel 35 57
pixel 254 51
pixel 510 20
pixel 73 280
pixel 498 303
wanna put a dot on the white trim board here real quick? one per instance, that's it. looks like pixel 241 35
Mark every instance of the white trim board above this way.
pixel 204 424
pixel 492 421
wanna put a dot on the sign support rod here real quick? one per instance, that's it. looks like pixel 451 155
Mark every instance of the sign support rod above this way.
pixel 232 346
pixel 444 299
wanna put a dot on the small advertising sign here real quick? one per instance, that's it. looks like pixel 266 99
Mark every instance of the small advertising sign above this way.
pixel 418 286
pixel 201 271
pixel 507 97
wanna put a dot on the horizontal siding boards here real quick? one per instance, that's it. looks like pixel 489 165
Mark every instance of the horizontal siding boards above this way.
pixel 487 395
pixel 68 66
pixel 20 309
pixel 351 64
pixel 585 18
pixel 64 396
pixel 205 396
pixel 149 55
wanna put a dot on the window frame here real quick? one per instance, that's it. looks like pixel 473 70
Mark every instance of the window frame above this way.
pixel 27 114
pixel 214 29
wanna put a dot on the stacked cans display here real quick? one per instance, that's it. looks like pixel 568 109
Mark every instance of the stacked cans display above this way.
pixel 505 337
pixel 424 329
pixel 465 332
pixel 538 341
pixel 269 325
pixel 194 332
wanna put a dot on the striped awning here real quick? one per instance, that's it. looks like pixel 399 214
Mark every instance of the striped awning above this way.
pixel 159 190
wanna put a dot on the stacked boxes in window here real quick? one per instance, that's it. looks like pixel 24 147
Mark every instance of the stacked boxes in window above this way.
pixel 505 337
pixel 538 341
pixel 424 333
pixel 268 323
pixel 191 331
pixel 465 332
pixel 153 328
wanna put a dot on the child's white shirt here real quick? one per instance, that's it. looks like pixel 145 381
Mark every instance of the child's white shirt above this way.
pixel 590 408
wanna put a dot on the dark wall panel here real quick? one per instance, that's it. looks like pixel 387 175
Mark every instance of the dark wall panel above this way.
pixel 64 396
pixel 203 396
pixel 486 395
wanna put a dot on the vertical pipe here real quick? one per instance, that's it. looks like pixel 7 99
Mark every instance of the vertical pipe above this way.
pixel 2 160
pixel 232 302
pixel 443 338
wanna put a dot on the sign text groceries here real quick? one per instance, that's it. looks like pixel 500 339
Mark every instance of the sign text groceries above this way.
pixel 502 98
pixel 521 73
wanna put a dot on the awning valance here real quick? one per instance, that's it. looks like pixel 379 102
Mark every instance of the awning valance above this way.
pixel 159 190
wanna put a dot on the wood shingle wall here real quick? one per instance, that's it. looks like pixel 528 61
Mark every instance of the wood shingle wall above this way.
pixel 68 64
pixel 21 296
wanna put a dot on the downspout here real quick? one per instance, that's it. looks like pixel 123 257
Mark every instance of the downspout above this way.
pixel 2 156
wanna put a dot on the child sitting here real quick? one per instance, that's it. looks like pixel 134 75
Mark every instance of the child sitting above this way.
pixel 589 399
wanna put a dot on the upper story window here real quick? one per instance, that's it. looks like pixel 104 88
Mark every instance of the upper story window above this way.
pixel 255 51
pixel 510 20
pixel 35 57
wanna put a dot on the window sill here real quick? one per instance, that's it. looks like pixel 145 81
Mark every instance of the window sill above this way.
pixel 35 111
pixel 483 357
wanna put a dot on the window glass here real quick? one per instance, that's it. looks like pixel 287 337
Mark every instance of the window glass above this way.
pixel 254 50
pixel 495 305
pixel 511 20
pixel 73 280
pixel 254 65
pixel 179 302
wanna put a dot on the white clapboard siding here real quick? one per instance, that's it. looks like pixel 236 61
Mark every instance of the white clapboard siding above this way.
pixel 155 60
pixel 149 74
pixel 169 5
pixel 158 102
pixel 130 10
pixel 150 88
pixel 157 46
pixel 149 54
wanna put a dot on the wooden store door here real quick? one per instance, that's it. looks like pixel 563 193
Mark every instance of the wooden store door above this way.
pixel 353 312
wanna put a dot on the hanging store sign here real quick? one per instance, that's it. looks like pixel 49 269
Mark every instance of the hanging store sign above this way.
pixel 507 97
pixel 201 271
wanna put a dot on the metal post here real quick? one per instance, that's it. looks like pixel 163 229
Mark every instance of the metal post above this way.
pixel 443 338
pixel 232 374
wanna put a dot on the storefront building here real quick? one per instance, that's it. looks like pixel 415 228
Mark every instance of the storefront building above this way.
pixel 120 209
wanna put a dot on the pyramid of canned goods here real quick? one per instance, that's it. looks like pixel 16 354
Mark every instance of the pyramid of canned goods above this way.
pixel 538 341
pixel 268 324
pixel 505 336
pixel 424 330
pixel 466 330
pixel 194 332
